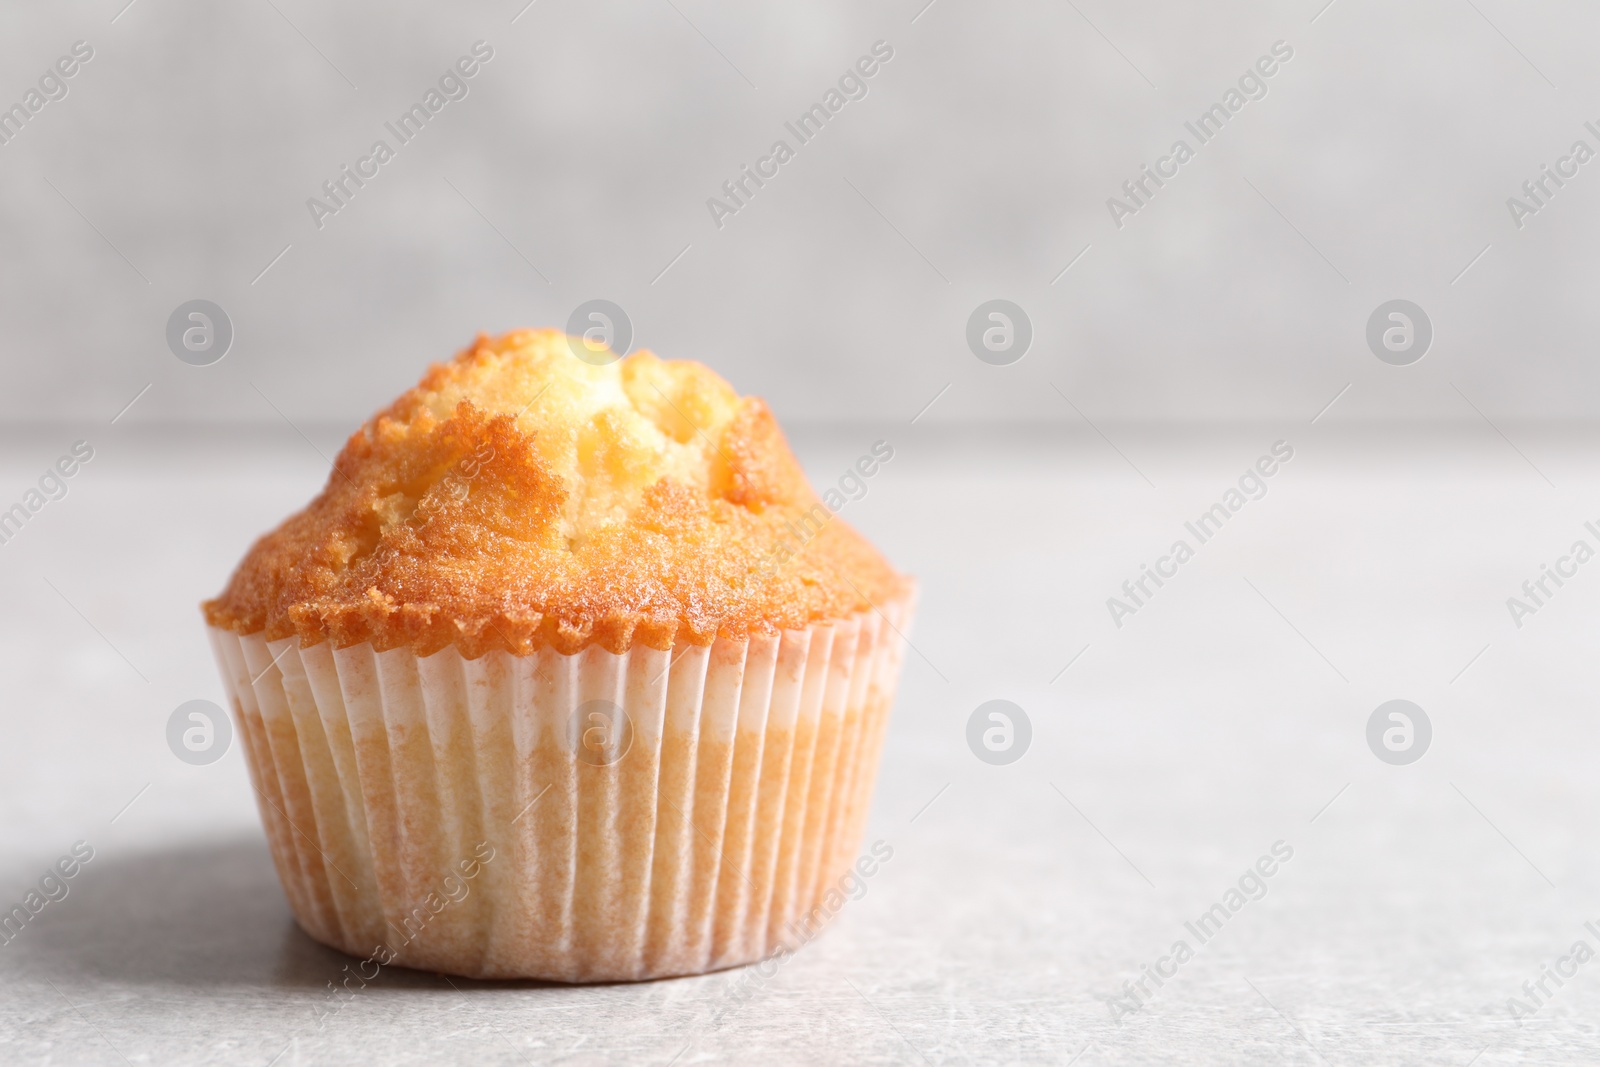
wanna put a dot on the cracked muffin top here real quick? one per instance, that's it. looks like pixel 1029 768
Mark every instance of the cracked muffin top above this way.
pixel 520 497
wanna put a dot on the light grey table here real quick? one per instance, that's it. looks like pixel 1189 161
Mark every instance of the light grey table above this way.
pixel 1229 713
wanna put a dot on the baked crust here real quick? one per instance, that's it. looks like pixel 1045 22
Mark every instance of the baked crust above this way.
pixel 519 497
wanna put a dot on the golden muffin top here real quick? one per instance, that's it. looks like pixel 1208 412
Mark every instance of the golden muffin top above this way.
pixel 520 497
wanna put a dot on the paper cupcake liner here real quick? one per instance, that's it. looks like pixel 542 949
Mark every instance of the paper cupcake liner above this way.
pixel 496 818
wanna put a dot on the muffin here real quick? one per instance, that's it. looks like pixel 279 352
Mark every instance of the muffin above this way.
pixel 568 674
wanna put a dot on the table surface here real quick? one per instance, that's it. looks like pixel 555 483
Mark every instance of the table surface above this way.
pixel 1226 716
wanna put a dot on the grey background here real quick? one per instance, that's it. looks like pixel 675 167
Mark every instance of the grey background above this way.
pixel 986 148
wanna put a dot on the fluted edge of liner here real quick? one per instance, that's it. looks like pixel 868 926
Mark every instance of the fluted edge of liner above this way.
pixel 454 815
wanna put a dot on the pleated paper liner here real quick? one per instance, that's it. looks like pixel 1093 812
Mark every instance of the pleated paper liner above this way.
pixel 502 818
